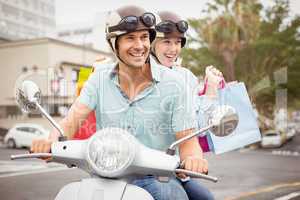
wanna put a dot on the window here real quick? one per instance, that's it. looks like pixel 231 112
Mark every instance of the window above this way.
pixel 35 4
pixel 75 75
pixel 9 111
pixel 29 17
pixel 35 131
pixel 23 129
pixel 83 31
pixel 63 34
pixel 272 134
pixel 47 22
pixel 55 109
pixel 25 3
pixel 31 130
pixel 51 11
pixel 10 11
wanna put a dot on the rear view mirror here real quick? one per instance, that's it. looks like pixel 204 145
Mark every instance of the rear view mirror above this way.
pixel 27 95
pixel 224 120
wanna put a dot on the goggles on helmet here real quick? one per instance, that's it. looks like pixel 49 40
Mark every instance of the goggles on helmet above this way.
pixel 169 26
pixel 130 23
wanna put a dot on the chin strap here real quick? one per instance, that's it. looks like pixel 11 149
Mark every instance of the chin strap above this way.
pixel 155 57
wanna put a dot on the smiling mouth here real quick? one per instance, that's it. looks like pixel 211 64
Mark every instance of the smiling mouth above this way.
pixel 170 56
pixel 137 55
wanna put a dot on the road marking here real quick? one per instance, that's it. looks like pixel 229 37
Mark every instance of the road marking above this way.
pixel 35 171
pixel 289 196
pixel 274 152
pixel 14 168
pixel 263 190
pixel 285 153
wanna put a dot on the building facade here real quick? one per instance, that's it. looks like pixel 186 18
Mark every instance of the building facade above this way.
pixel 88 34
pixel 54 65
pixel 26 19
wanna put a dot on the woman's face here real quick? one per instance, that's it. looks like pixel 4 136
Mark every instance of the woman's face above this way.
pixel 167 50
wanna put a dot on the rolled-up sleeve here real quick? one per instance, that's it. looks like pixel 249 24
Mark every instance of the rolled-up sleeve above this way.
pixel 88 95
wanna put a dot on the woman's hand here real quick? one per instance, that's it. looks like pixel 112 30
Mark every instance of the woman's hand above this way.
pixel 213 77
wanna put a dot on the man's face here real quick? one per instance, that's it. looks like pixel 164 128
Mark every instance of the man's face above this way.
pixel 134 48
pixel 167 50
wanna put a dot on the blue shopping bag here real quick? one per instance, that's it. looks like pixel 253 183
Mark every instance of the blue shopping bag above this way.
pixel 247 130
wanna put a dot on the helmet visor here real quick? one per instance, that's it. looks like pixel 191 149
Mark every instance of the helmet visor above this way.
pixel 169 26
pixel 148 19
pixel 182 26
pixel 130 23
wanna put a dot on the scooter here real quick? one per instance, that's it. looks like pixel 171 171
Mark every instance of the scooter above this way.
pixel 112 156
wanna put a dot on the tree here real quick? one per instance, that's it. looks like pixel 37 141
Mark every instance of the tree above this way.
pixel 249 43
pixel 223 37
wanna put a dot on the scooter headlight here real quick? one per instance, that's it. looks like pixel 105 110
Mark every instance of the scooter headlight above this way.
pixel 110 151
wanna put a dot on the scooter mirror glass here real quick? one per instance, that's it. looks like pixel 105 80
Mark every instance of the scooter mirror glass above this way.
pixel 224 120
pixel 27 93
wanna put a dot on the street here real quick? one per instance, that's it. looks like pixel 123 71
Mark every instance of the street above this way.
pixel 244 174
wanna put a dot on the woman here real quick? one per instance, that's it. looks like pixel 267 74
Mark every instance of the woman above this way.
pixel 166 48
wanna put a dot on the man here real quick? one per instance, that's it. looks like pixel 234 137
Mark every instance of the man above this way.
pixel 147 100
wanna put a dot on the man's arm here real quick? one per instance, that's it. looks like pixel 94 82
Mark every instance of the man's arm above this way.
pixel 70 124
pixel 191 153
pixel 75 117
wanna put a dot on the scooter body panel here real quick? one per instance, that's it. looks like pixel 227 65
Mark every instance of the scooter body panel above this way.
pixel 102 189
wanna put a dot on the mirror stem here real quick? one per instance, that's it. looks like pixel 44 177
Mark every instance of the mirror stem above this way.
pixel 62 135
pixel 171 149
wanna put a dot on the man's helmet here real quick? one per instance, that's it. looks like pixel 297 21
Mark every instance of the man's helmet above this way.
pixel 170 24
pixel 128 19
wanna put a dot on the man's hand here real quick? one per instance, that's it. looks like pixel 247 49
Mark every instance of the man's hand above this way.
pixel 41 146
pixel 191 154
pixel 195 164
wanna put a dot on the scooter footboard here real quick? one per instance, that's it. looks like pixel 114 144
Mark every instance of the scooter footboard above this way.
pixel 102 189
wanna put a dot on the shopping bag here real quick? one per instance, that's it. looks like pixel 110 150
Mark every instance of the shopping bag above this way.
pixel 247 130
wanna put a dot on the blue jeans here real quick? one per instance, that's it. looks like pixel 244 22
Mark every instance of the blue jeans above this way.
pixel 196 191
pixel 173 189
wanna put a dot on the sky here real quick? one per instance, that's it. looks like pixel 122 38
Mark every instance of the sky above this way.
pixel 75 11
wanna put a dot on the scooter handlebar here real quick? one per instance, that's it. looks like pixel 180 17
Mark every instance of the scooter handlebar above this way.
pixel 30 155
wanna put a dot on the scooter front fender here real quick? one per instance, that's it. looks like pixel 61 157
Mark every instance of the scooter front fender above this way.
pixel 102 189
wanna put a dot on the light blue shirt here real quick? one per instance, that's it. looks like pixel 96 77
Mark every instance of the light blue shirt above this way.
pixel 154 116
pixel 202 104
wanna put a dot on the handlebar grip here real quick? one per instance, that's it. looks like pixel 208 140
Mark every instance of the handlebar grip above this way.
pixel 30 155
pixel 197 175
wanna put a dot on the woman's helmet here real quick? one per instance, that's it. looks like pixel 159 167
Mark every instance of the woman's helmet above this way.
pixel 128 19
pixel 170 24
